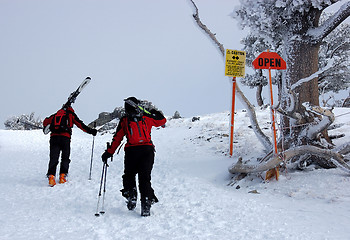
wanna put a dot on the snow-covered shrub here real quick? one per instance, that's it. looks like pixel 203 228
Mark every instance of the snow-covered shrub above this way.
pixel 23 122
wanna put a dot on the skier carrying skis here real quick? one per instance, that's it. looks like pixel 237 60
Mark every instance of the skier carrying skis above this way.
pixel 139 152
pixel 60 124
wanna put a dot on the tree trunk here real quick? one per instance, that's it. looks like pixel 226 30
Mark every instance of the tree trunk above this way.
pixel 307 57
pixel 302 62
pixel 259 99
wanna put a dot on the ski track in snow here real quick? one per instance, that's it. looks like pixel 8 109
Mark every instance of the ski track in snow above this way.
pixel 190 178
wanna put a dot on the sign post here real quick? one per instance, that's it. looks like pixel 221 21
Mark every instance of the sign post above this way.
pixel 234 67
pixel 232 114
pixel 271 60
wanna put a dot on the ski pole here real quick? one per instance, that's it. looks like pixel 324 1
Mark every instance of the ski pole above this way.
pixel 104 192
pixel 104 183
pixel 92 152
pixel 99 193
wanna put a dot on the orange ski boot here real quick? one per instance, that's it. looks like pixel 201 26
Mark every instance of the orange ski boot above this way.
pixel 63 178
pixel 52 181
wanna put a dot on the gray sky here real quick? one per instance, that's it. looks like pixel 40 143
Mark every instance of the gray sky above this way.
pixel 149 49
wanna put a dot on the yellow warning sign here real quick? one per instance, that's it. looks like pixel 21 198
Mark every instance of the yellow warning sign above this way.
pixel 235 63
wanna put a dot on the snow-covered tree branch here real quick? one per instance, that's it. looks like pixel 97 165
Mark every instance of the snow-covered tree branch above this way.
pixel 287 155
pixel 314 75
pixel 318 33
pixel 206 30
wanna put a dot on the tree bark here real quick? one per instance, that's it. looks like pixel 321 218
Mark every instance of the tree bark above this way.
pixel 301 56
pixel 259 98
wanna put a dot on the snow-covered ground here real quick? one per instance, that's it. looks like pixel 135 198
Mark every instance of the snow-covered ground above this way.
pixel 191 180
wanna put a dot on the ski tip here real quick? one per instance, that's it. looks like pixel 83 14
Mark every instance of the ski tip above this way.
pixel 97 215
pixel 102 212
pixel 88 78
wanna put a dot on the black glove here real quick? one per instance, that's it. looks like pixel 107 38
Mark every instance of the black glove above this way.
pixel 157 115
pixel 93 131
pixel 105 156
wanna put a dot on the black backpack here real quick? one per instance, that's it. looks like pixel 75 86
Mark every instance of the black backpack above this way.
pixel 60 122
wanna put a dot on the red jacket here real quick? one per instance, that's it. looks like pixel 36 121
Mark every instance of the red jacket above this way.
pixel 73 119
pixel 138 133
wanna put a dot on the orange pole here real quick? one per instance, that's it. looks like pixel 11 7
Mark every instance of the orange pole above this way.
pixel 276 169
pixel 273 115
pixel 232 113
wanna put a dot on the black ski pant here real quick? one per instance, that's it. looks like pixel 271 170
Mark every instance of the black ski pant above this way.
pixel 59 144
pixel 139 160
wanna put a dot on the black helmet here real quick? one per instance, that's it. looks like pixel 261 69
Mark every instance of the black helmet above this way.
pixel 131 110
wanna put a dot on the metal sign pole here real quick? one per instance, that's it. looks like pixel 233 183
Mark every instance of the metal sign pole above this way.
pixel 232 114
pixel 234 67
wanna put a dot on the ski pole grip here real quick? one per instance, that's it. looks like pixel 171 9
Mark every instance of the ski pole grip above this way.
pixel 108 146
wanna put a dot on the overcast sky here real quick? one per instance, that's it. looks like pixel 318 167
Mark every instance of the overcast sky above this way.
pixel 149 49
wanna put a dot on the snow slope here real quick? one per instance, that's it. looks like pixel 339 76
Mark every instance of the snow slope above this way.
pixel 191 180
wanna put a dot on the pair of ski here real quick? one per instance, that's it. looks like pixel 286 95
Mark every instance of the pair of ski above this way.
pixel 137 107
pixel 71 99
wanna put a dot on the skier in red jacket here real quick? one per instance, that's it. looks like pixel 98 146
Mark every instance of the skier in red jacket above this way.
pixel 61 124
pixel 139 152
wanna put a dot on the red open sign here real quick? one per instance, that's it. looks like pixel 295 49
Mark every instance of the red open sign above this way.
pixel 269 60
